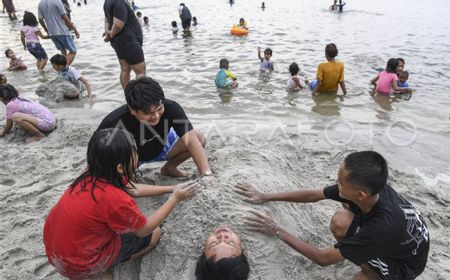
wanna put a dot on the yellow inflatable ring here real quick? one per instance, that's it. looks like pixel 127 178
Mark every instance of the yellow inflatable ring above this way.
pixel 238 31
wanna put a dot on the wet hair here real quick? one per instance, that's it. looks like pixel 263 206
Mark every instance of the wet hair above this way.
pixel 399 59
pixel 367 170
pixel 3 77
pixel 182 4
pixel 294 69
pixel 29 19
pixel 224 63
pixel 194 18
pixel 174 24
pixel 392 65
pixel 236 268
pixel 404 74
pixel 138 14
pixel 7 51
pixel 143 93
pixel 331 50
pixel 59 59
pixel 268 51
pixel 107 149
pixel 8 92
pixel 242 19
pixel 146 18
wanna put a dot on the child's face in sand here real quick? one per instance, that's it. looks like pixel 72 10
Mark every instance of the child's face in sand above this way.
pixel 151 117
pixel 222 243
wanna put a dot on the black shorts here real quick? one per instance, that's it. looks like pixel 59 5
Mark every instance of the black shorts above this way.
pixel 389 269
pixel 131 244
pixel 186 23
pixel 131 52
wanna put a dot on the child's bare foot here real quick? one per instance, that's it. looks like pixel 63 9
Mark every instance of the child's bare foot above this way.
pixel 173 172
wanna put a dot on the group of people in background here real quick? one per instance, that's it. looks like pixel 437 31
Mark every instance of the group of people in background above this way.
pixel 97 224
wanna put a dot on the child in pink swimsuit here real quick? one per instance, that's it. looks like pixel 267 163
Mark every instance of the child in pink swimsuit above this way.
pixel 386 81
pixel 31 116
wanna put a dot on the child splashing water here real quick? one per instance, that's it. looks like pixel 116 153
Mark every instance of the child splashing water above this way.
pixel 96 224
pixel 29 36
pixel 31 116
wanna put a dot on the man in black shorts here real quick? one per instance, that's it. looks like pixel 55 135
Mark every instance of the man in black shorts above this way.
pixel 378 229
pixel 185 16
pixel 160 127
pixel 124 32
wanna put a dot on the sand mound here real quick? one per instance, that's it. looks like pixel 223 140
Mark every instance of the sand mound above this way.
pixel 56 89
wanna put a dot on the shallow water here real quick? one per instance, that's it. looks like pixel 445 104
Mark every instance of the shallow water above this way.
pixel 413 134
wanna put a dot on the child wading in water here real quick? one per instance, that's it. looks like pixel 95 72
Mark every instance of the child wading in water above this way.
pixel 293 83
pixel 266 64
pixel 96 224
pixel 224 78
pixel 69 73
pixel 31 116
pixel 29 36
pixel 386 81
pixel 15 64
pixel 329 74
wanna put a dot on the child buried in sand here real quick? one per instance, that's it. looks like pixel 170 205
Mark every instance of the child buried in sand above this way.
pixel 96 224
pixel 31 116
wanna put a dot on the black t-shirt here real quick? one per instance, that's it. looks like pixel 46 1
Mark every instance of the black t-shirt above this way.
pixel 185 14
pixel 150 140
pixel 393 230
pixel 132 30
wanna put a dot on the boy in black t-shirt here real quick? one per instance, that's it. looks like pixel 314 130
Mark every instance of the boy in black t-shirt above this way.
pixel 378 229
pixel 160 127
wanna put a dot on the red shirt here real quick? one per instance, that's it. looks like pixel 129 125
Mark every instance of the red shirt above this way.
pixel 82 236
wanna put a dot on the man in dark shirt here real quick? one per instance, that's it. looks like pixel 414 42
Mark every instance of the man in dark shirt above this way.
pixel 161 129
pixel 124 32
pixel 378 229
pixel 185 16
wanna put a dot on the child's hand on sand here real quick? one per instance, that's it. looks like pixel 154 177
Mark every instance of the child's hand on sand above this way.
pixel 262 222
pixel 185 190
pixel 253 195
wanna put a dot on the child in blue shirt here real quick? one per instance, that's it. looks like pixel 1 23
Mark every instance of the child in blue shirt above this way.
pixel 224 78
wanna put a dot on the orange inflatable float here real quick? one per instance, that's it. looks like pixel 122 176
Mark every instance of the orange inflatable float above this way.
pixel 238 31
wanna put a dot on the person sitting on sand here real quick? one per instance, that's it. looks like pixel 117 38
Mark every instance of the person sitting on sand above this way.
pixel 15 64
pixel 224 78
pixel 223 257
pixel 69 73
pixel 96 224
pixel 161 128
pixel 29 115
pixel 293 83
pixel 378 229
pixel 329 74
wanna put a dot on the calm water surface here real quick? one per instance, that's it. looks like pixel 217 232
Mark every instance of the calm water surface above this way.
pixel 413 134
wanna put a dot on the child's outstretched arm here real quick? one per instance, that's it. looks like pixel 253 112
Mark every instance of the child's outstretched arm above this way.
pixel 179 194
pixel 22 39
pixel 259 54
pixel 42 35
pixel 374 80
pixel 87 85
pixel 141 190
pixel 7 128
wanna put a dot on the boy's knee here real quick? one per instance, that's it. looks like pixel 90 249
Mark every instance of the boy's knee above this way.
pixel 156 235
pixel 340 222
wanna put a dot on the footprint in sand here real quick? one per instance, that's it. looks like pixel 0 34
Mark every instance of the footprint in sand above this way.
pixel 8 182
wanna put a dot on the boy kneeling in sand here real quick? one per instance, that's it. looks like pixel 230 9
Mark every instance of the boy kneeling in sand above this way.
pixel 378 229
pixel 161 128
pixel 96 224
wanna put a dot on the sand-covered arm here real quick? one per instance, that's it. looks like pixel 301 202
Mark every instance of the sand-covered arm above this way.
pixel 256 197
pixel 7 128
pixel 141 190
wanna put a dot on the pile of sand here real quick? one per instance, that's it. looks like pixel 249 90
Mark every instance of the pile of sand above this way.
pixel 34 176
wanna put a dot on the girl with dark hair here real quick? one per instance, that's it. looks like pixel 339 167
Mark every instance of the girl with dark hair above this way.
pixel 31 116
pixel 293 83
pixel 386 81
pixel 223 257
pixel 96 224
pixel 29 36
